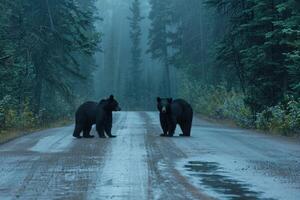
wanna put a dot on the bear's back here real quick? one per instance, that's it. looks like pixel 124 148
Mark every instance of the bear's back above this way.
pixel 185 106
pixel 87 109
pixel 181 109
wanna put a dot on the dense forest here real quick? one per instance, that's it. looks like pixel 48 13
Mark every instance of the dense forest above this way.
pixel 240 60
pixel 45 48
pixel 232 59
pixel 126 68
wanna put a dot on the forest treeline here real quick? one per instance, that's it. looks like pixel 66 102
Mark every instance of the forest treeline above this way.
pixel 240 59
pixel 46 58
pixel 236 59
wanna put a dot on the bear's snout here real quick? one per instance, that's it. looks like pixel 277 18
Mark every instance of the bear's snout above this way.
pixel 164 109
pixel 118 109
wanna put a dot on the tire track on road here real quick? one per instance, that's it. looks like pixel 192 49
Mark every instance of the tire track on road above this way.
pixel 124 171
pixel 165 182
pixel 65 172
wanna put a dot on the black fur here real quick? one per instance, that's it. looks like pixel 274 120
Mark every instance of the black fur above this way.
pixel 100 114
pixel 173 112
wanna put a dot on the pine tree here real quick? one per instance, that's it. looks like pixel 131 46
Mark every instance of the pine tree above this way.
pixel 286 31
pixel 160 16
pixel 136 83
pixel 254 48
pixel 42 43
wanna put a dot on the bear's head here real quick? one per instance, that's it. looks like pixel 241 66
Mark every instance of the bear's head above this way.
pixel 112 104
pixel 163 104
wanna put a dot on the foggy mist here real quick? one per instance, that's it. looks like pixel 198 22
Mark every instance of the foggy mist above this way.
pixel 150 99
pixel 112 75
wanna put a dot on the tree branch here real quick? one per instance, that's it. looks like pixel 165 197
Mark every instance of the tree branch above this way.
pixel 5 57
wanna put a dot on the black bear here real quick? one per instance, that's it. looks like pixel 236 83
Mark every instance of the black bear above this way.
pixel 100 114
pixel 173 112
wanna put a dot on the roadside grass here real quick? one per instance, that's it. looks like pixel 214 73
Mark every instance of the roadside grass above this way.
pixel 228 107
pixel 230 123
pixel 227 122
pixel 13 133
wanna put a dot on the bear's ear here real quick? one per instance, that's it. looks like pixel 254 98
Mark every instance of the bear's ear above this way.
pixel 111 97
pixel 158 99
pixel 170 100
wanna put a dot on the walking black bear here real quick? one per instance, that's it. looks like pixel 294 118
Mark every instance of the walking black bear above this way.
pixel 173 112
pixel 100 114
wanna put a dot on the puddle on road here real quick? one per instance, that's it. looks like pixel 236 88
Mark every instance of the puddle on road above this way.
pixel 213 178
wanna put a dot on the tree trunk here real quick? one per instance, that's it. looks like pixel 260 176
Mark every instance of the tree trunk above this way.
pixel 37 89
pixel 168 81
pixel 50 16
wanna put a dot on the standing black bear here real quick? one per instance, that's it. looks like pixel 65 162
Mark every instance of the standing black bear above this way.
pixel 100 114
pixel 173 112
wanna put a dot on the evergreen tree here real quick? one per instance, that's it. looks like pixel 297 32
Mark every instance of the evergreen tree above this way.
pixel 42 43
pixel 257 43
pixel 136 83
pixel 286 31
pixel 160 16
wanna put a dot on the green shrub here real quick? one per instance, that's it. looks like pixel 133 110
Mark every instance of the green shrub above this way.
pixel 234 108
pixel 7 114
pixel 27 117
pixel 271 119
pixel 294 114
pixel 282 118
pixel 11 117
pixel 217 102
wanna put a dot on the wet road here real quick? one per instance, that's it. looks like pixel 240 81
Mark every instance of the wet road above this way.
pixel 215 163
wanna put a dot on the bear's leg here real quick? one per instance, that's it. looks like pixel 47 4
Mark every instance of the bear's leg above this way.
pixel 77 130
pixel 186 128
pixel 172 126
pixel 100 131
pixel 86 132
pixel 108 125
pixel 107 129
pixel 164 124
